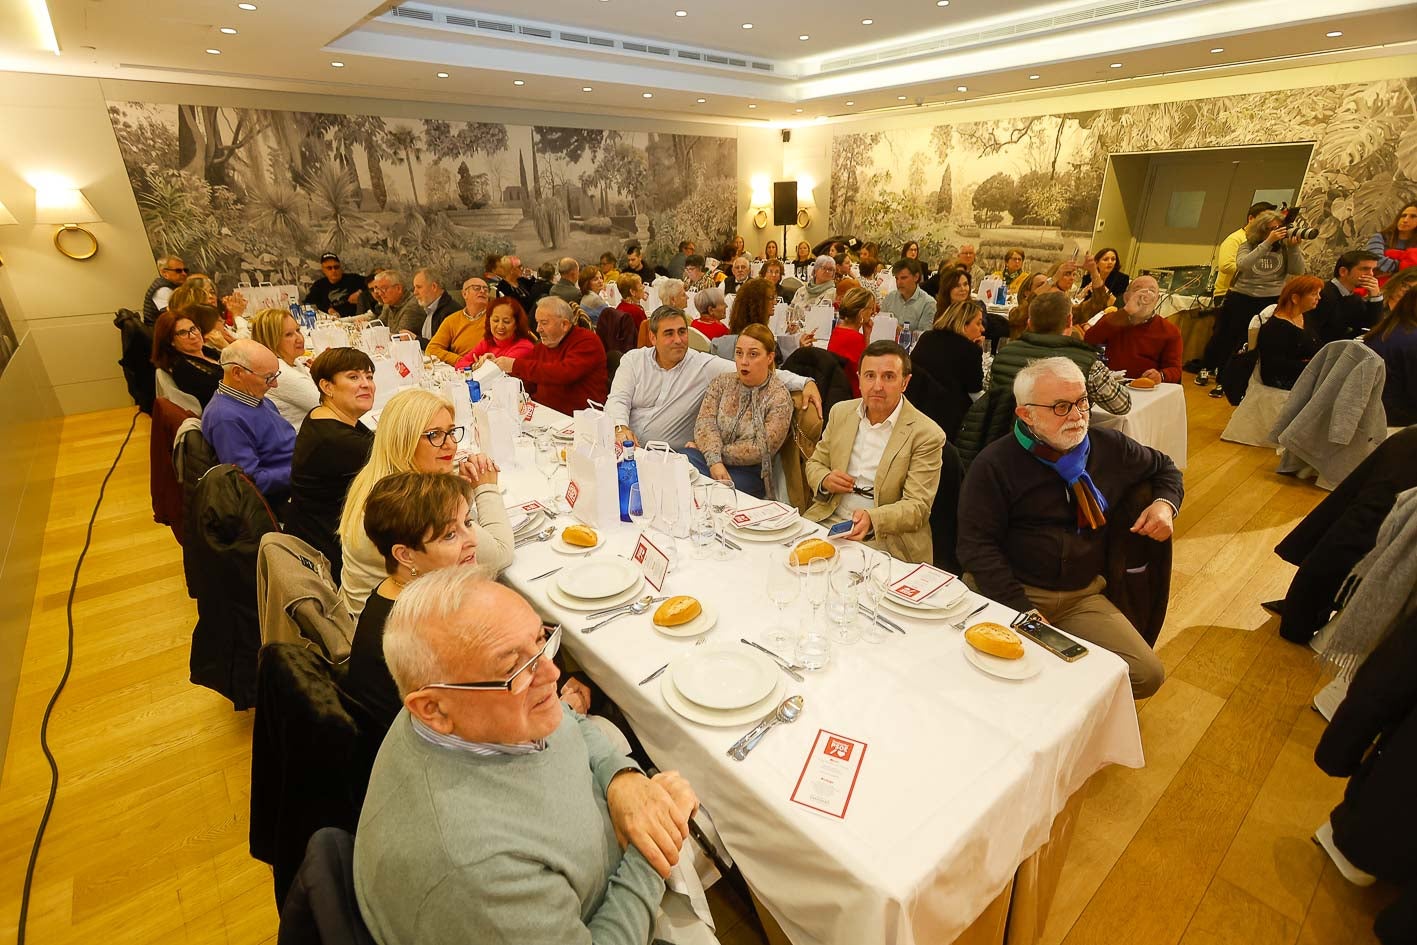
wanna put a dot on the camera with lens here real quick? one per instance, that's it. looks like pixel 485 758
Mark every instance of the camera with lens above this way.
pixel 1296 225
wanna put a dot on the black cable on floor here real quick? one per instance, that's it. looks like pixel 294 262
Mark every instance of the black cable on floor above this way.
pixel 68 665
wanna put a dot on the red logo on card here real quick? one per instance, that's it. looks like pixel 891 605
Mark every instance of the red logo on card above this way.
pixel 573 492
pixel 838 748
pixel 402 369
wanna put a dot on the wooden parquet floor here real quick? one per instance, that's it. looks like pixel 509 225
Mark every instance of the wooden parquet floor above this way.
pixel 1208 844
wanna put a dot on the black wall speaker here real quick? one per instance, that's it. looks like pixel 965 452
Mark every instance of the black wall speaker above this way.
pixel 784 203
pixel 786 135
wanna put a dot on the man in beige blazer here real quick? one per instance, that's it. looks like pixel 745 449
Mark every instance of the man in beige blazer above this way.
pixel 878 463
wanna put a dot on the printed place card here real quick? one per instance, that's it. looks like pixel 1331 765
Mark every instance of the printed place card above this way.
pixel 829 775
pixel 653 562
pixel 920 583
pixel 757 515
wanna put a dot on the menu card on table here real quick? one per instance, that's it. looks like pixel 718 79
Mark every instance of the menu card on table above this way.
pixel 920 583
pixel 829 776
pixel 653 562
pixel 764 513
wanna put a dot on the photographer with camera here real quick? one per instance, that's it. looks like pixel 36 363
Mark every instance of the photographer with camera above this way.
pixel 1268 258
pixel 1351 302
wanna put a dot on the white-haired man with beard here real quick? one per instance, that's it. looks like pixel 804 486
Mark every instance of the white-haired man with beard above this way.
pixel 1033 513
pixel 1137 341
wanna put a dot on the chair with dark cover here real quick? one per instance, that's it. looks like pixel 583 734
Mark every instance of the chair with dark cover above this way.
pixel 801 442
pixel 309 765
pixel 135 359
pixel 987 419
pixel 226 517
pixel 827 369
pixel 321 908
pixel 1138 568
pixel 944 513
pixel 1343 528
pixel 162 476
pixel 1372 741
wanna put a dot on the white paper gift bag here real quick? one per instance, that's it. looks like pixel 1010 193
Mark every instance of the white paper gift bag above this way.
pixel 666 485
pixel 497 433
pixel 594 429
pixel 408 361
pixel 376 341
pixel 455 390
pixel 884 328
pixel 778 321
pixel 386 381
pixel 819 320
pixel 328 336
pixel 594 490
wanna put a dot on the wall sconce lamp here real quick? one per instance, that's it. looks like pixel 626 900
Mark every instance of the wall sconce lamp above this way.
pixel 6 219
pixel 761 200
pixel 67 207
pixel 804 202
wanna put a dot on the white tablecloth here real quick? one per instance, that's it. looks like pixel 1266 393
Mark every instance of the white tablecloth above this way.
pixel 961 780
pixel 1157 419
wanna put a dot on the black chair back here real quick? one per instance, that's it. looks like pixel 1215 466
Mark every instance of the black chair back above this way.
pixel 944 512
pixel 321 908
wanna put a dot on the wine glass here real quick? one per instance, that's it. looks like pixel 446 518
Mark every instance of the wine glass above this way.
pixel 816 584
pixel 636 506
pixel 547 462
pixel 783 586
pixel 845 597
pixel 662 525
pixel 723 499
pixel 876 571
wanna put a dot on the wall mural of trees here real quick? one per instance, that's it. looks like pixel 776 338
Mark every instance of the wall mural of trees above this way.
pixel 1036 181
pixel 253 195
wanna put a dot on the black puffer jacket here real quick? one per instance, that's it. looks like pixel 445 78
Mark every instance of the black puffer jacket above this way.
pixel 826 369
pixel 226 518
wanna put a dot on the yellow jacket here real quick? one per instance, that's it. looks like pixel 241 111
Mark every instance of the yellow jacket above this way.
pixel 457 336
pixel 1225 261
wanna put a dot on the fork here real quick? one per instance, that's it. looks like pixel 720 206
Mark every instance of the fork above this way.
pixel 959 624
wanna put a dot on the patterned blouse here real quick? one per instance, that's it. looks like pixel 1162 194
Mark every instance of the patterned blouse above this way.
pixel 743 426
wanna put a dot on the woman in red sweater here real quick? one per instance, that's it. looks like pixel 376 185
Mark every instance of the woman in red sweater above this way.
pixel 508 334
pixel 849 337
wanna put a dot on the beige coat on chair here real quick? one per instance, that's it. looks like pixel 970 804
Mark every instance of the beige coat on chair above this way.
pixel 906 480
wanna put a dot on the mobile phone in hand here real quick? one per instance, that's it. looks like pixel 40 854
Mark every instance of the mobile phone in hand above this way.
pixel 839 529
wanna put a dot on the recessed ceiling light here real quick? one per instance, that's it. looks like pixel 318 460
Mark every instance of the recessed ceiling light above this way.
pixel 747 26
pixel 586 88
pixel 246 6
pixel 867 22
pixel 961 88
pixel 804 37
pixel 213 52
pixel 646 95
pixel 1035 77
pixel 1218 49
pixel 681 12
pixel 900 98
pixel 797 111
pixel 337 64
pixel 1334 34
pixel 442 75
pixel 851 103
pixel 700 101
pixel 228 30
pixel 752 106
pixel 518 82
pixel 1116 65
pixel 942 3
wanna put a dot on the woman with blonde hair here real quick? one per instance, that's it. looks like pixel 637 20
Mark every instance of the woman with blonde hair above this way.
pixel 948 366
pixel 416 433
pixel 296 394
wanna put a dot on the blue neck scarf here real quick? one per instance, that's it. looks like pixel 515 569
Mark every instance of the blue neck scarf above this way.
pixel 1072 467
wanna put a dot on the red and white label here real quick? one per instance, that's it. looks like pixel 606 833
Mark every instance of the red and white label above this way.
pixel 829 775
pixel 653 562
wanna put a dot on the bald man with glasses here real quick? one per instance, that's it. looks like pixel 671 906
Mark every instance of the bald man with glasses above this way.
pixel 464 329
pixel 244 427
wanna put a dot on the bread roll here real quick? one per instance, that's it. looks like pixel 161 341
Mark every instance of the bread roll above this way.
pixel 996 640
pixel 582 536
pixel 677 611
pixel 1143 383
pixel 810 550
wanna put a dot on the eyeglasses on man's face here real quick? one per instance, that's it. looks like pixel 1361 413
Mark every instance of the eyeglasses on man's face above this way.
pixel 181 270
pixel 439 438
pixel 1062 408
pixel 520 680
pixel 270 379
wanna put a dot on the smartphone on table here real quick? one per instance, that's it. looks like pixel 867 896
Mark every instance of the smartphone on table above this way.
pixel 1050 638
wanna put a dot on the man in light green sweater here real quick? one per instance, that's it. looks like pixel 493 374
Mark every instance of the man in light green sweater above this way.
pixel 494 814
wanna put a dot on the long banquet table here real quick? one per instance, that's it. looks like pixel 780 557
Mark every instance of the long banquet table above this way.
pixel 1157 419
pixel 961 782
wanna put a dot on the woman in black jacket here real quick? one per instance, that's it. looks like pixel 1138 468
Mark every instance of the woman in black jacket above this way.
pixel 1286 344
pixel 178 350
pixel 948 366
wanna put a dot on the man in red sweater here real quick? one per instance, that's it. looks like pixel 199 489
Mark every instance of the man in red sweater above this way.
pixel 568 368
pixel 1138 341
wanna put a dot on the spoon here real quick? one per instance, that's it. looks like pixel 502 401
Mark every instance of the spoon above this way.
pixel 638 607
pixel 647 599
pixel 787 712
pixel 543 535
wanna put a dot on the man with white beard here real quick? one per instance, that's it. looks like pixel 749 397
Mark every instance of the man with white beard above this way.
pixel 1137 341
pixel 1033 513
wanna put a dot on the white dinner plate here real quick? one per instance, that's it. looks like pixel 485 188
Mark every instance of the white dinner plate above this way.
pixel 560 597
pixel 788 519
pixel 944 599
pixel 720 718
pixel 1027 667
pixel 895 607
pixel 560 544
pixel 781 534
pixel 533 524
pixel 516 518
pixel 597 580
pixel 703 623
pixel 727 676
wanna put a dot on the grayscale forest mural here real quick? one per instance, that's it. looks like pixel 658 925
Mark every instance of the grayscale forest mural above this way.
pixel 1035 181
pixel 253 195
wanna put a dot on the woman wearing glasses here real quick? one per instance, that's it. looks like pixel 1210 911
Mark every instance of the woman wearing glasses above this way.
pixel 418 523
pixel 416 433
pixel 179 350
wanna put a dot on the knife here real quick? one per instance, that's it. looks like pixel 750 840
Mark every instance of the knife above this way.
pixel 786 666
pixel 886 622
pixel 653 675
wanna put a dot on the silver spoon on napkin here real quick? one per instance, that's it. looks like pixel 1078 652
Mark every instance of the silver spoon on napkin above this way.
pixel 787 712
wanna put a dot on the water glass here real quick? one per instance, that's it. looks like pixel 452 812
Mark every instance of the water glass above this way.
pixel 636 507
pixel 701 532
pixel 723 500
pixel 876 571
pixel 816 584
pixel 547 462
pixel 783 586
pixel 845 596
pixel 814 645
pixel 661 529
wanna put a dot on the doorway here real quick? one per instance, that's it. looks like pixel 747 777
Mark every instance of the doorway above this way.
pixel 1168 211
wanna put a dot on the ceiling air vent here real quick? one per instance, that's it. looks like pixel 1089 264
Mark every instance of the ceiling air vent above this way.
pixel 412 13
pixel 763 66
pixel 633 47
pixel 719 60
pixel 603 42
pixel 575 38
pixel 658 50
pixel 536 31
pixel 689 54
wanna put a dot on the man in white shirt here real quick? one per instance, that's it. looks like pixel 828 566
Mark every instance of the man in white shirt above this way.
pixel 908 303
pixel 877 464
pixel 657 391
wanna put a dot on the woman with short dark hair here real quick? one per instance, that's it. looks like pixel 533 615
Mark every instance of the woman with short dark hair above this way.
pixel 330 449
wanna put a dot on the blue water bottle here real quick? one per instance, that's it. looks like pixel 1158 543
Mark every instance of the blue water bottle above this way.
pixel 474 389
pixel 629 475
pixel 905 336
pixel 1002 295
